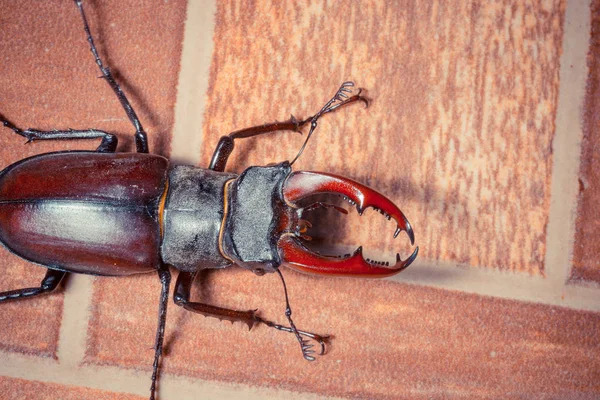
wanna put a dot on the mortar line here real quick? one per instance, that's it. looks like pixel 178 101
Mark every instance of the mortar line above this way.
pixel 118 379
pixel 500 284
pixel 566 145
pixel 196 58
pixel 75 320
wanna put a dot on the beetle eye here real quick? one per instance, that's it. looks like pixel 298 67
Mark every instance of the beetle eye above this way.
pixel 259 271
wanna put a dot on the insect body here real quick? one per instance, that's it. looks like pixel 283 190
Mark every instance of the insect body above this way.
pixel 114 214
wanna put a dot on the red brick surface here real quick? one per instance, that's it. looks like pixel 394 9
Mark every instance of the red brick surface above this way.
pixel 586 263
pixel 19 389
pixel 390 340
pixel 29 326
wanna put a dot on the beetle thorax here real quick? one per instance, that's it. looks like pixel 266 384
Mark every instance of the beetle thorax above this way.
pixel 255 213
pixel 192 218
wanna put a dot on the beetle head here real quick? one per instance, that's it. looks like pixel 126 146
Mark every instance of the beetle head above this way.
pixel 254 211
pixel 263 227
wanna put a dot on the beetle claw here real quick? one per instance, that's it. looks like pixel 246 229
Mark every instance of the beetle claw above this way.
pixel 303 184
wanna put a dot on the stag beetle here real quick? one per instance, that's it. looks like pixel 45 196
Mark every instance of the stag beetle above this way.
pixel 115 214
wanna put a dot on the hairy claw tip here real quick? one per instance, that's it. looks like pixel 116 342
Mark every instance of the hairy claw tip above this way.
pixel 308 348
pixel 364 99
pixel 323 347
pixel 296 123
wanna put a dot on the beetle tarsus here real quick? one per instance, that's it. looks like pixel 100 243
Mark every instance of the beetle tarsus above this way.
pixel 107 145
pixel 321 339
pixel 48 284
pixel 339 99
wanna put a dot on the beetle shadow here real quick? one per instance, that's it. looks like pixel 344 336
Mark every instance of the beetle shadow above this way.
pixel 65 283
pixel 329 226
pixel 135 95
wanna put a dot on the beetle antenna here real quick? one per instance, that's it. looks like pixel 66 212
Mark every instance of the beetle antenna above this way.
pixel 306 347
pixel 339 99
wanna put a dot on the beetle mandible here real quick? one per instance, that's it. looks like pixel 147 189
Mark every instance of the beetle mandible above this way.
pixel 116 214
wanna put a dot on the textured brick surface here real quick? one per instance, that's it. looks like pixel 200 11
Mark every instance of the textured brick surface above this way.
pixel 586 263
pixel 29 326
pixel 460 129
pixel 19 389
pixel 390 340
pixel 48 79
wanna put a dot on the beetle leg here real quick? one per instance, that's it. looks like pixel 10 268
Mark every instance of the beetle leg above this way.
pixel 226 143
pixel 181 297
pixel 141 139
pixel 108 144
pixel 49 283
pixel 165 280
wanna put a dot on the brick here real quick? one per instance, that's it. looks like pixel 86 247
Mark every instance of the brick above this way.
pixel 586 260
pixel 456 107
pixel 17 389
pixel 390 340
pixel 49 77
pixel 29 326
pixel 123 321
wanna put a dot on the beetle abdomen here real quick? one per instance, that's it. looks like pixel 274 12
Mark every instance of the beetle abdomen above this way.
pixel 84 212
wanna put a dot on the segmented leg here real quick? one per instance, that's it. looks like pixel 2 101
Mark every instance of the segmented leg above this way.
pixel 226 143
pixel 181 297
pixel 165 280
pixel 49 283
pixel 107 145
pixel 141 139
